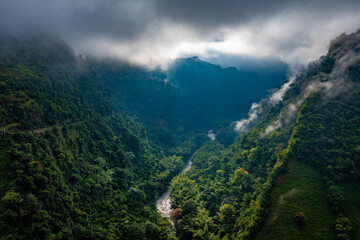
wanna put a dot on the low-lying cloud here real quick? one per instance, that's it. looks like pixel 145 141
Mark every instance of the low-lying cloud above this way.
pixel 244 125
pixel 330 85
pixel 152 33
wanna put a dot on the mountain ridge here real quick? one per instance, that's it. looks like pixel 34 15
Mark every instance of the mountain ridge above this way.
pixel 116 135
pixel 315 124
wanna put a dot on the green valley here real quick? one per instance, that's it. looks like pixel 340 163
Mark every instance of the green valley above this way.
pixel 124 143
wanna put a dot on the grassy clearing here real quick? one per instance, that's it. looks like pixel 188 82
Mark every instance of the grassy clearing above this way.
pixel 352 206
pixel 300 189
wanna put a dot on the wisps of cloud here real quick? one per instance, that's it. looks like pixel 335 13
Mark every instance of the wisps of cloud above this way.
pixel 330 85
pixel 244 125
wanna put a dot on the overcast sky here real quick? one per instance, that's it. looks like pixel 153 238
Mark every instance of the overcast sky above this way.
pixel 152 32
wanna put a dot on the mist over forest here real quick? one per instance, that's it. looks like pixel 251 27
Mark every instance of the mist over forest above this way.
pixel 188 120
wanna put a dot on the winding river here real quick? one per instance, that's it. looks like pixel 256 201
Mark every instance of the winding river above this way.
pixel 163 204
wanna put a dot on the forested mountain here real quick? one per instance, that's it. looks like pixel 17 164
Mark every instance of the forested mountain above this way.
pixel 88 146
pixel 191 95
pixel 311 135
pixel 72 165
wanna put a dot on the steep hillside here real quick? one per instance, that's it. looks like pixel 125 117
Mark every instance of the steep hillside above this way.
pixel 316 126
pixel 191 95
pixel 221 93
pixel 72 165
pixel 75 165
pixel 299 206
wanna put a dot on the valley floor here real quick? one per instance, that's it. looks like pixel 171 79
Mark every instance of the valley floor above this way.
pixel 300 189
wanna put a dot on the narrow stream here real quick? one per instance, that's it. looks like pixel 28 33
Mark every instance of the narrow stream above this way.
pixel 163 204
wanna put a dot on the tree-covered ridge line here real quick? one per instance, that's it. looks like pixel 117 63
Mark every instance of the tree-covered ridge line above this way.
pixel 227 191
pixel 84 182
pixel 73 165
pixel 190 95
pixel 316 122
pixel 43 82
pixel 98 176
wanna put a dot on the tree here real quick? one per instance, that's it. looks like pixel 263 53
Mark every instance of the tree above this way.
pixel 189 207
pixel 343 228
pixel 227 217
pixel 300 218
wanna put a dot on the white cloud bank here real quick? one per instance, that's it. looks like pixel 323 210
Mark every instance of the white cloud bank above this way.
pixel 152 33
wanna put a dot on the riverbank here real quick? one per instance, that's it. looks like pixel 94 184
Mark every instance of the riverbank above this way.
pixel 163 204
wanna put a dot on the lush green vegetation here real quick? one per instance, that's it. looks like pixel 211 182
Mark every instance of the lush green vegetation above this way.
pixel 327 130
pixel 317 123
pixel 75 165
pixel 352 206
pixel 85 180
pixel 228 189
pixel 300 190
pixel 43 84
pixel 72 166
pixel 191 95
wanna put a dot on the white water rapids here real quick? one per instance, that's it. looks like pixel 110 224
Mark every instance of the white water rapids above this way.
pixel 163 204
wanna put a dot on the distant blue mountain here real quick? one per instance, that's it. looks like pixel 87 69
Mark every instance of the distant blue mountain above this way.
pixel 191 94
